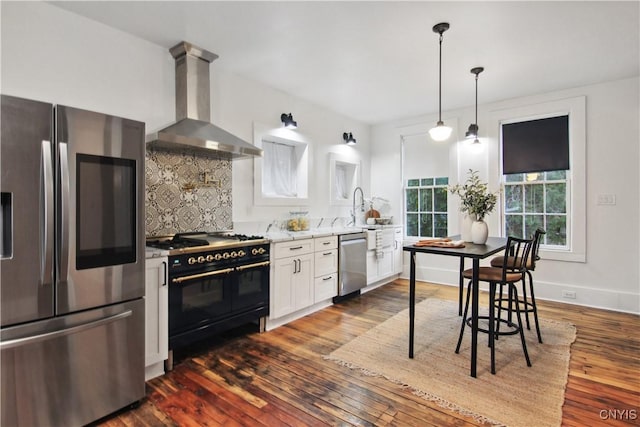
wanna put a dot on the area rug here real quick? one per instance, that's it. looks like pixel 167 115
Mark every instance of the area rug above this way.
pixel 515 396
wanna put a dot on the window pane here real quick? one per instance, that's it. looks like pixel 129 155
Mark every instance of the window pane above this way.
pixel 557 198
pixel 412 224
pixel 440 199
pixel 557 230
pixel 440 221
pixel 426 200
pixel 412 200
pixel 532 223
pixel 426 182
pixel 426 227
pixel 413 183
pixel 554 175
pixel 534 198
pixel 442 180
pixel 513 198
pixel 514 225
pixel 515 177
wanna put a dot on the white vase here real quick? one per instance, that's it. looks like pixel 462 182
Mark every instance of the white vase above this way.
pixel 465 230
pixel 479 232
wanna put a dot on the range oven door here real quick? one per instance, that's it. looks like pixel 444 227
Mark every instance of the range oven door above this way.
pixel 250 288
pixel 197 298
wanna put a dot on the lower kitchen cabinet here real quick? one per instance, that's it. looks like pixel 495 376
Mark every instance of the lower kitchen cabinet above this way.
pixel 398 259
pixel 326 268
pixel 304 277
pixel 292 284
pixel 156 316
pixel 386 261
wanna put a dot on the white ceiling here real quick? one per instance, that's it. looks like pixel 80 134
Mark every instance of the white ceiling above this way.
pixel 378 61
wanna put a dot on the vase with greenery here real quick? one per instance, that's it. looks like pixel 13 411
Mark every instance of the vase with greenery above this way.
pixel 477 201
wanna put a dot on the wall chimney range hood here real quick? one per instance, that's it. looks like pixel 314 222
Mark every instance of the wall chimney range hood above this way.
pixel 193 130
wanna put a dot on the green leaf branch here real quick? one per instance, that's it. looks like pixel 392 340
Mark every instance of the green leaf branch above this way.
pixel 475 196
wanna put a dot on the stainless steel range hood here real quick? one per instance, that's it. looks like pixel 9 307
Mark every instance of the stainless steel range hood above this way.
pixel 193 129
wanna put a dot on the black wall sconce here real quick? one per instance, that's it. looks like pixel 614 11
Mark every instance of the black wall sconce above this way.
pixel 287 121
pixel 348 138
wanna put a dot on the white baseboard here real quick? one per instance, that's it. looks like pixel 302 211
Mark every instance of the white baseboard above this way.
pixel 625 302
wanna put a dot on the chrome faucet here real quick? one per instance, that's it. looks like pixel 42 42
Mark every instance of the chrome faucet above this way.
pixel 353 212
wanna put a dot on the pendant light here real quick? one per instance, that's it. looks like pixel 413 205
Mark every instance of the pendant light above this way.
pixel 440 132
pixel 473 128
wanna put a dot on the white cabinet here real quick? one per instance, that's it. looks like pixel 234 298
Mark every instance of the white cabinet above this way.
pixel 326 268
pixel 384 257
pixel 156 316
pixel 293 277
pixel 304 273
pixel 398 254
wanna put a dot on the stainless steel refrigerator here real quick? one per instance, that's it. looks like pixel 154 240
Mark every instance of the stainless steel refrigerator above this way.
pixel 71 264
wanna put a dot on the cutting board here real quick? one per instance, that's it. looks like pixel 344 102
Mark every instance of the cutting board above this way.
pixel 371 213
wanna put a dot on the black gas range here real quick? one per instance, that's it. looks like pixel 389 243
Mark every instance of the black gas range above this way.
pixel 217 281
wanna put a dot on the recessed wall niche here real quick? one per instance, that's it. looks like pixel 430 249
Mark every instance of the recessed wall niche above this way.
pixel 344 178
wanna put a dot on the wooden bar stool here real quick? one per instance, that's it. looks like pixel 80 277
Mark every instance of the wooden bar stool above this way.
pixel 511 272
pixel 527 303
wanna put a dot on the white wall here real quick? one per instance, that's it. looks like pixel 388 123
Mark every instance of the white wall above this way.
pixel 610 276
pixel 52 55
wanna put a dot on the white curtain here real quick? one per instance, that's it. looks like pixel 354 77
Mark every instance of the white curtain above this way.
pixel 341 182
pixel 279 170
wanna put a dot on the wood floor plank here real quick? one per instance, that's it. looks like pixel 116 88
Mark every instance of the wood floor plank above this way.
pixel 279 378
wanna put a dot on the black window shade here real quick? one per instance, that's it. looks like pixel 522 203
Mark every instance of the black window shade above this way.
pixel 535 145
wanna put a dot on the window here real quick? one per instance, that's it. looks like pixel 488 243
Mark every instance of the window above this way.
pixel 535 164
pixel 281 175
pixel 280 170
pixel 538 200
pixel 426 207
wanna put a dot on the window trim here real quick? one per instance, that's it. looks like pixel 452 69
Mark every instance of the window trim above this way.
pixel 575 107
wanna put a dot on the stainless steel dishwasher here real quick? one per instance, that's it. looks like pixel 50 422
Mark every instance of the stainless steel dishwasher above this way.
pixel 353 264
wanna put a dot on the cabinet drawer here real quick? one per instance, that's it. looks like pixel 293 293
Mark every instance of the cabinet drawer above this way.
pixel 325 287
pixel 326 262
pixel 324 243
pixel 293 248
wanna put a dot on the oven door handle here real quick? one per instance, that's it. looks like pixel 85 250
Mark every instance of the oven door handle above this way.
pixel 201 275
pixel 257 264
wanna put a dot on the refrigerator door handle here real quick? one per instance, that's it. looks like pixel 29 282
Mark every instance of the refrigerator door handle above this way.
pixel 46 258
pixel 64 214
pixel 63 332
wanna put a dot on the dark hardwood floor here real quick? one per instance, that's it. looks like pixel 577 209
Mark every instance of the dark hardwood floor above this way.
pixel 279 378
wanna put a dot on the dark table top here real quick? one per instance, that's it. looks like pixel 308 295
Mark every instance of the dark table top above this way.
pixel 470 250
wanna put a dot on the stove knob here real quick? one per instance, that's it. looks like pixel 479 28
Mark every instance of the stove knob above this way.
pixel 209 258
pixel 261 251
pixel 225 255
pixel 191 261
pixel 200 259
pixel 254 251
pixel 217 257
pixel 241 253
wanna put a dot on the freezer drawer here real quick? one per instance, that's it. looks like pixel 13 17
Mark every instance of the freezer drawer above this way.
pixel 72 370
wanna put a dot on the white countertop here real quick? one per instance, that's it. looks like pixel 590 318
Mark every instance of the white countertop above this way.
pixel 284 236
pixel 155 253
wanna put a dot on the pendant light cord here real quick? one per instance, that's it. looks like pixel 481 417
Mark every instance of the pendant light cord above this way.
pixel 476 123
pixel 440 83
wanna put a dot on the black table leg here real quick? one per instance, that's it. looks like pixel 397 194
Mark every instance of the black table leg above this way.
pixel 412 301
pixel 460 292
pixel 474 316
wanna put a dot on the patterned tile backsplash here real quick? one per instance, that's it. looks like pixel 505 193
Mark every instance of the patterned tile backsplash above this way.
pixel 177 198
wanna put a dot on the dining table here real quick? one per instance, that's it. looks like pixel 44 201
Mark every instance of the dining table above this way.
pixel 475 252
